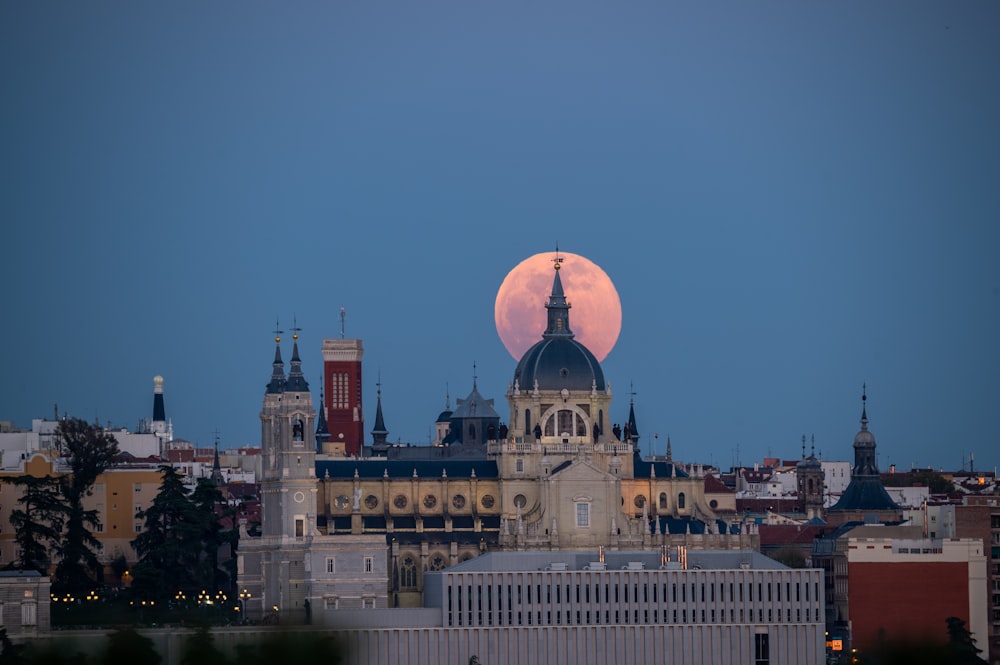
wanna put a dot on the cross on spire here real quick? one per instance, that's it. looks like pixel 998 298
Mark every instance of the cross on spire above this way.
pixel 277 330
pixel 558 259
pixel 295 328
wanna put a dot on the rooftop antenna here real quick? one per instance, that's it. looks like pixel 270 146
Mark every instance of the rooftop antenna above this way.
pixel 343 315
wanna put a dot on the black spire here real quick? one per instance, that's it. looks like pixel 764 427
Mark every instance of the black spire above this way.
pixel 277 384
pixel 379 432
pixel 631 431
pixel 296 380
pixel 322 430
pixel 217 478
pixel 558 307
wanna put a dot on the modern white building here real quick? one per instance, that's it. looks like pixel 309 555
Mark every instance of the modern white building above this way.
pixel 718 607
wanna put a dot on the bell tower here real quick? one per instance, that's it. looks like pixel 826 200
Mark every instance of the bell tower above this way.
pixel 288 450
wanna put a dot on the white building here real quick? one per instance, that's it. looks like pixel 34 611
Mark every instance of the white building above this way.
pixel 718 607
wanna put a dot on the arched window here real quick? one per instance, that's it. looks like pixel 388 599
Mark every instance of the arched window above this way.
pixel 663 500
pixel 810 490
pixel 527 422
pixel 472 433
pixel 680 500
pixel 408 573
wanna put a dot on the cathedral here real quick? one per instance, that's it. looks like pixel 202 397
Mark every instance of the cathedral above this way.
pixel 347 525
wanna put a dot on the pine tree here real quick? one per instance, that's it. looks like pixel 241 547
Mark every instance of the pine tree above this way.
pixel 169 547
pixel 38 523
pixel 961 644
pixel 204 499
pixel 90 452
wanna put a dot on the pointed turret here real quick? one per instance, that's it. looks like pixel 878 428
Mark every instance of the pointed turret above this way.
pixel 322 431
pixel 296 379
pixel 379 432
pixel 217 478
pixel 277 384
pixel 670 450
pixel 558 308
pixel 631 431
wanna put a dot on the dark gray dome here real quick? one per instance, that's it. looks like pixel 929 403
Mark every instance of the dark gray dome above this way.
pixel 557 363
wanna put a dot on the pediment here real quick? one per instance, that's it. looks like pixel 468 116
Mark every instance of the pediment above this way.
pixel 580 470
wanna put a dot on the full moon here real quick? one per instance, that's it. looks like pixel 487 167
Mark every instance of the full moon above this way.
pixel 595 316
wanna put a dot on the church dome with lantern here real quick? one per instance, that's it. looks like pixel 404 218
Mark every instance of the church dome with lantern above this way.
pixel 558 361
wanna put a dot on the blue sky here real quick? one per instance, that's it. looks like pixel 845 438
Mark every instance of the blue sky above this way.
pixel 791 198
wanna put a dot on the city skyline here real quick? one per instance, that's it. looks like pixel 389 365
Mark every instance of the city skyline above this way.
pixel 791 201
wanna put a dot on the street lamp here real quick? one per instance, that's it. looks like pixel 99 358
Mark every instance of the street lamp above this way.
pixel 244 597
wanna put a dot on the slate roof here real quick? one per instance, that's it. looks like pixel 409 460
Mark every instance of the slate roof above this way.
pixel 376 468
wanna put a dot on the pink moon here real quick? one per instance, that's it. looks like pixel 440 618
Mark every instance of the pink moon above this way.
pixel 595 316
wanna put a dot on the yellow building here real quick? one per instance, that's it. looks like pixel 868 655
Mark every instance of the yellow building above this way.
pixel 118 494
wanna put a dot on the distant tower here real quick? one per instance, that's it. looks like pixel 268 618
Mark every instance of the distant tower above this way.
pixel 288 488
pixel 159 425
pixel 865 491
pixel 345 417
pixel 809 476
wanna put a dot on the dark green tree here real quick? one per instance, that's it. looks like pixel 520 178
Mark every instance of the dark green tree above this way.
pixel 291 648
pixel 127 647
pixel 961 644
pixel 10 653
pixel 200 649
pixel 90 452
pixel 204 500
pixel 168 548
pixel 38 523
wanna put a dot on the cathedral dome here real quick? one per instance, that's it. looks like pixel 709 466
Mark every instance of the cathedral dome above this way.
pixel 557 363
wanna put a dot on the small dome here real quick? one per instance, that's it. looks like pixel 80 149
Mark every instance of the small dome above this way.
pixel 445 417
pixel 864 437
pixel 557 363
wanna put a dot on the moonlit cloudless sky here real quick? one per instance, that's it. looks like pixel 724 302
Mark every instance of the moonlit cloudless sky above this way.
pixel 791 198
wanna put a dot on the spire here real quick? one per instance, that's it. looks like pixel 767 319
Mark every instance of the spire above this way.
pixel 631 430
pixel 864 407
pixel 379 432
pixel 277 384
pixel 670 451
pixel 217 478
pixel 296 380
pixel 803 446
pixel 322 430
pixel 558 307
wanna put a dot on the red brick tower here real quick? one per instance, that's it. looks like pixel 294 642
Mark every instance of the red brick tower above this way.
pixel 345 418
